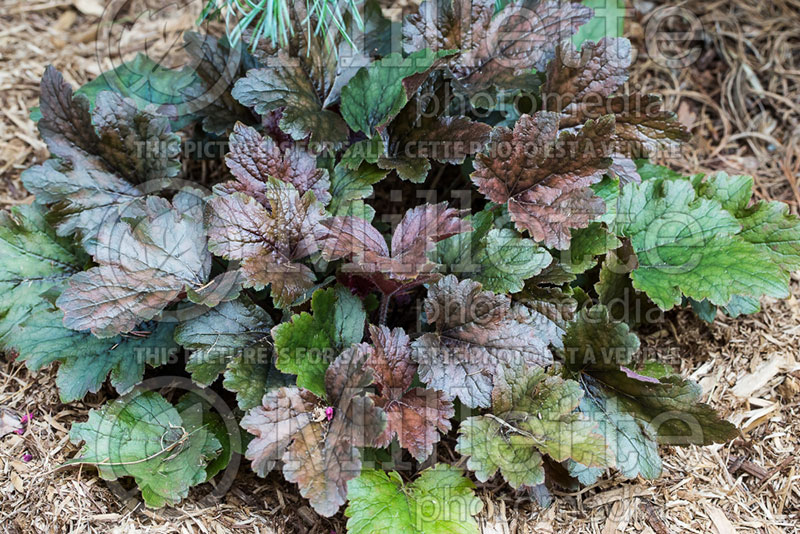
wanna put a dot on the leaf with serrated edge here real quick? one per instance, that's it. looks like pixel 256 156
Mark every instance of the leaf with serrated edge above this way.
pixel 34 261
pixel 415 415
pixel 318 453
pixel 583 85
pixel 380 503
pixel 269 240
pixel 143 436
pixel 252 378
pixel 99 156
pixel 85 360
pixel 143 266
pixel 545 177
pixel 689 246
pixel 634 411
pixel 475 334
pixel 287 83
pixel 532 414
pixel 768 225
pixel 420 229
pixel 377 94
pixel 307 343
pixel 351 185
pixel 498 258
pixel 494 48
pixel 253 158
pixel 221 333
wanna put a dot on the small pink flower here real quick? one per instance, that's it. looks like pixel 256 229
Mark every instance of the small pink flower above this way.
pixel 329 412
pixel 27 418
pixel 27 458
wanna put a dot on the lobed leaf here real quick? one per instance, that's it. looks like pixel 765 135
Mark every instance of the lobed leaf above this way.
pixel 475 334
pixel 143 266
pixel 545 177
pixel 583 85
pixel 633 410
pixel 253 159
pixel 307 343
pixel 415 415
pixel 498 258
pixel 318 452
pixel 532 415
pixel 238 328
pixel 355 239
pixel 99 157
pixel 35 261
pixel 85 362
pixel 143 436
pixel 494 48
pixel 440 500
pixel 691 246
pixel 350 186
pixel 376 95
pixel 268 242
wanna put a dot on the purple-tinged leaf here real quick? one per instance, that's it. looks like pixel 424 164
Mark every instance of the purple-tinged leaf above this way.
pixel 415 415
pixel 143 266
pixel 544 176
pixel 494 48
pixel 475 334
pixel 319 454
pixel 268 242
pixel 253 159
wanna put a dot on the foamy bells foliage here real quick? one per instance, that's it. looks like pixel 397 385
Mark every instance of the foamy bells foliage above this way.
pixel 340 333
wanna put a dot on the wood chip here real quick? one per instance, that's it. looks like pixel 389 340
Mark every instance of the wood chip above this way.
pixel 747 386
pixel 719 520
pixel 655 522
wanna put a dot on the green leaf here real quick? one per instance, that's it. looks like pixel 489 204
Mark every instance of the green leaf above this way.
pixel 33 260
pixel 143 436
pixel 586 244
pixel 146 82
pixel 440 501
pixel 86 361
pixel 220 334
pixel 649 171
pixel 196 412
pixel 608 21
pixel 532 415
pixel 634 410
pixel 635 451
pixel 350 186
pixel 307 344
pixel 252 378
pixel 291 83
pixel 368 150
pixel 767 225
pixel 377 94
pixel 689 246
pixel 608 190
pixel 499 258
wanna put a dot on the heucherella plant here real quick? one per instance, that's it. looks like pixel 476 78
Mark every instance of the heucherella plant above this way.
pixel 449 239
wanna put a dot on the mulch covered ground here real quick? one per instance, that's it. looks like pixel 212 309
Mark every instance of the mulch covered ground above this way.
pixel 741 97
